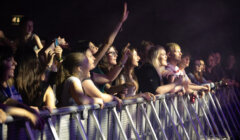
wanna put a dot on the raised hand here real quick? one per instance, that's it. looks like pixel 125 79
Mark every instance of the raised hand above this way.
pixel 58 51
pixel 125 13
pixel 126 54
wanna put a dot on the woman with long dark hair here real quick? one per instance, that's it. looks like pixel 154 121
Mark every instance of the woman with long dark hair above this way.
pixel 196 75
pixel 29 81
pixel 128 80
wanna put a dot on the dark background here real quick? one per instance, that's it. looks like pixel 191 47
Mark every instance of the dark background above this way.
pixel 199 26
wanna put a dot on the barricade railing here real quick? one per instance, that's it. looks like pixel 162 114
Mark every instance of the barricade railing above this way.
pixel 213 116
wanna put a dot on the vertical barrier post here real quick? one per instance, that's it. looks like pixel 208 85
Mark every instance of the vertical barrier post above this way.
pixel 119 123
pixel 179 118
pixel 92 114
pixel 148 122
pixel 169 114
pixel 211 117
pixel 52 129
pixel 233 115
pixel 131 123
pixel 80 126
pixel 158 120
pixel 190 117
pixel 29 130
pixel 201 127
pixel 235 96
pixel 215 108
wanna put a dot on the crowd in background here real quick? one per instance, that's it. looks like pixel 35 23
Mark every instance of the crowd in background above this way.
pixel 35 76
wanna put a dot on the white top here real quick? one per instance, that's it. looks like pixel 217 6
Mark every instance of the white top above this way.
pixel 174 69
pixel 66 98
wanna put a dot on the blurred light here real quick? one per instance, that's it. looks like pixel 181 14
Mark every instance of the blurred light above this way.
pixel 16 19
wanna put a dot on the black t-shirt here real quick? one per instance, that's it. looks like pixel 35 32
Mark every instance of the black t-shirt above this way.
pixel 38 100
pixel 148 78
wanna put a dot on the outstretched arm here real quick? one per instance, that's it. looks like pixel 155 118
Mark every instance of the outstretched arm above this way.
pixel 112 36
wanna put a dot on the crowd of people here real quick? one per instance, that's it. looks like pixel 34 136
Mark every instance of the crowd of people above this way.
pixel 91 74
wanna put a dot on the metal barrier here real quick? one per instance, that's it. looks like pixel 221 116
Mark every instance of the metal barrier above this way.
pixel 215 116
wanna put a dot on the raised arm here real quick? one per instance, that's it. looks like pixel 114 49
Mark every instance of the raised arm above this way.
pixel 38 41
pixel 112 36
pixel 113 73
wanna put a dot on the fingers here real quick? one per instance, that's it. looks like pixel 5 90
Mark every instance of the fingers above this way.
pixel 101 105
pixel 3 116
pixel 127 45
pixel 35 109
pixel 39 123
pixel 149 96
pixel 119 101
pixel 153 97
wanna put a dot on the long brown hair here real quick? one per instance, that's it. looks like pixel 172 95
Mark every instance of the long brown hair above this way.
pixel 126 69
pixel 198 75
pixel 28 80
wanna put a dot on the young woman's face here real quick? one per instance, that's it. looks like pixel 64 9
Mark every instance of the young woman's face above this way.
pixel 186 61
pixel 198 66
pixel 90 58
pixel 93 48
pixel 112 56
pixel 29 27
pixel 203 67
pixel 211 61
pixel 135 58
pixel 9 65
pixel 162 57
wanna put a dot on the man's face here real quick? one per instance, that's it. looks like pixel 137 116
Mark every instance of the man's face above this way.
pixel 177 54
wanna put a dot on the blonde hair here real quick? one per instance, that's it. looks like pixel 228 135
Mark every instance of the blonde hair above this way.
pixel 154 55
pixel 172 47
